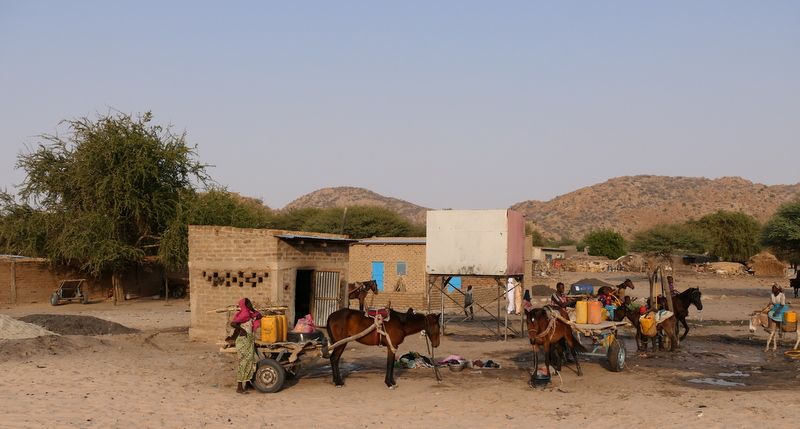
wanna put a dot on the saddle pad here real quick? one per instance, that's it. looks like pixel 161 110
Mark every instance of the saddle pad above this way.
pixel 374 312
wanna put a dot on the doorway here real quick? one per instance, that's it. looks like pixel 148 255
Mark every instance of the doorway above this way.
pixel 302 293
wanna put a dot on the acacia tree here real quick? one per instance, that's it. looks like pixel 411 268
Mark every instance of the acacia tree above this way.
pixel 732 236
pixel 107 190
pixel 666 239
pixel 782 232
pixel 605 242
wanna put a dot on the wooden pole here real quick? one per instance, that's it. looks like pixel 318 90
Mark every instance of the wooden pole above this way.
pixel 665 291
pixel 13 282
pixel 166 286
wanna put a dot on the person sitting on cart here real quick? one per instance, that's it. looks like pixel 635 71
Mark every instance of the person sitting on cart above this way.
pixel 559 299
pixel 606 299
pixel 245 322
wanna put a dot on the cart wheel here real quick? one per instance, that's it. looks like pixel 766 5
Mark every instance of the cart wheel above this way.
pixel 616 356
pixel 54 298
pixel 269 376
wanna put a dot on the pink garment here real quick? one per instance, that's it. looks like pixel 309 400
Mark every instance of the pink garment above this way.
pixel 245 314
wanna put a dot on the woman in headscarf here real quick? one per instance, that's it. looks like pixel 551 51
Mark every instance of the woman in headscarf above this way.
pixel 778 302
pixel 244 323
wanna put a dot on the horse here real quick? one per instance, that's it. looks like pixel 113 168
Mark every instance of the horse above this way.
pixel 359 290
pixel 680 306
pixel 345 323
pixel 545 330
pixel 620 289
pixel 761 318
pixel 795 284
pixel 667 330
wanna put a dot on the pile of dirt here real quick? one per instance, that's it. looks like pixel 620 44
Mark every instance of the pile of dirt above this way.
pixel 726 268
pixel 13 329
pixel 595 282
pixel 541 290
pixel 69 324
pixel 765 264
pixel 47 345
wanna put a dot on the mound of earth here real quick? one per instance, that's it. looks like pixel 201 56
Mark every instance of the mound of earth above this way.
pixel 69 324
pixel 13 329
pixel 542 290
pixel 46 345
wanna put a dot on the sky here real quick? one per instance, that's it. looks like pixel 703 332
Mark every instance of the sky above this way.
pixel 459 104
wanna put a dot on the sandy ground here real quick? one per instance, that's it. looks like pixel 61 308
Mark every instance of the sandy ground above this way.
pixel 159 378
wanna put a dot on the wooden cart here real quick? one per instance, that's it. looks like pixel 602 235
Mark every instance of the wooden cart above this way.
pixel 605 342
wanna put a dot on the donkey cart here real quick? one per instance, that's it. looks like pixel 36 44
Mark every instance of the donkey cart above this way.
pixel 604 341
pixel 277 361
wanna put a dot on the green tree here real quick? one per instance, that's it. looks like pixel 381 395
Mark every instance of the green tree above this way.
pixel 105 192
pixel 668 239
pixel 605 242
pixel 214 207
pixel 731 236
pixel 782 232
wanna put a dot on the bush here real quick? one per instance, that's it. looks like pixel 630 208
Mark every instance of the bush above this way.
pixel 605 242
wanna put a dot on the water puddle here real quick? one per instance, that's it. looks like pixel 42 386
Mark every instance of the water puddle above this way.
pixel 733 374
pixel 715 382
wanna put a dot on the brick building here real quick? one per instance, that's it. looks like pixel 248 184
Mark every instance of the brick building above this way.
pixel 397 264
pixel 307 272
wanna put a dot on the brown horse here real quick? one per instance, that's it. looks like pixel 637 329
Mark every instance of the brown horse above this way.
pixel 620 290
pixel 667 330
pixel 345 323
pixel 359 290
pixel 680 305
pixel 546 331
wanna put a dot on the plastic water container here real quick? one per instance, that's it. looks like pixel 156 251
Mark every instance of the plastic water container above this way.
pixel 581 312
pixel 790 316
pixel 594 313
pixel 273 328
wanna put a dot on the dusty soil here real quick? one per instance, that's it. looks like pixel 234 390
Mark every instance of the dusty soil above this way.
pixel 157 377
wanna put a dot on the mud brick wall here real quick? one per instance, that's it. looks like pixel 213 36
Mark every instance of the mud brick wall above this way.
pixel 484 292
pixel 414 281
pixel 234 255
pixel 32 280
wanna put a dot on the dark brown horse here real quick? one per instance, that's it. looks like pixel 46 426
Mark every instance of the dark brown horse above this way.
pixel 547 331
pixel 345 323
pixel 681 303
pixel 619 292
pixel 795 284
pixel 359 290
pixel 667 330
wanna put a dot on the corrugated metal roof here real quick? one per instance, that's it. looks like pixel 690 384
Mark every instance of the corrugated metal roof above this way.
pixel 393 240
pixel 315 238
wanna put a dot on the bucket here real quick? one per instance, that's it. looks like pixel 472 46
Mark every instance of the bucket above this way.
pixel 273 328
pixel 790 317
pixel 594 313
pixel 581 312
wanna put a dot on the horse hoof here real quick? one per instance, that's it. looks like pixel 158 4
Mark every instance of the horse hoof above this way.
pixel 392 387
pixel 339 386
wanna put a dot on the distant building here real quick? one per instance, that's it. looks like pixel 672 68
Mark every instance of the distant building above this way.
pixel 548 254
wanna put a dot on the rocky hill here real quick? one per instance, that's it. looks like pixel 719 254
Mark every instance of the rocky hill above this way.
pixel 626 204
pixel 633 203
pixel 351 196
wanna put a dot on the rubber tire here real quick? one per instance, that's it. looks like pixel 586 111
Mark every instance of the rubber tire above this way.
pixel 269 376
pixel 616 356
pixel 54 299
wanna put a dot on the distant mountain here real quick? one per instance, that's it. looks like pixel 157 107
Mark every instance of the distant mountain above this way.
pixel 350 196
pixel 633 203
pixel 626 204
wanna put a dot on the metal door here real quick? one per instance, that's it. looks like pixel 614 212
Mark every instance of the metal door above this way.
pixel 326 296
pixel 377 274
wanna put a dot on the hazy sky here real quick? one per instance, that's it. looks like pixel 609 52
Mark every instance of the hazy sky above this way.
pixel 445 104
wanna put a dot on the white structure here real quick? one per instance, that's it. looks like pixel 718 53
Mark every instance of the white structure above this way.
pixel 475 242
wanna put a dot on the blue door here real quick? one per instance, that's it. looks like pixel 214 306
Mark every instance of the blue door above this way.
pixel 377 273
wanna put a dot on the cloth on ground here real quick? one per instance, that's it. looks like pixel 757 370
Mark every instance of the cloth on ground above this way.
pixel 414 360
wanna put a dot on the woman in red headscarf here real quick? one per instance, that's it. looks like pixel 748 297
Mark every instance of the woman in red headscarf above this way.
pixel 244 323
